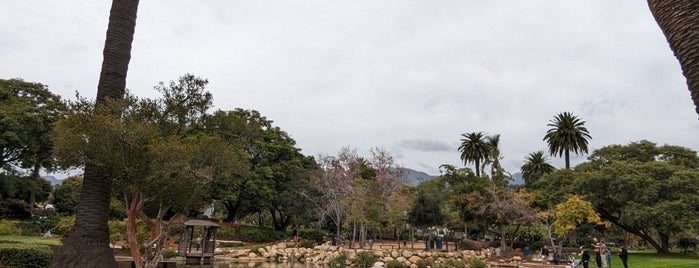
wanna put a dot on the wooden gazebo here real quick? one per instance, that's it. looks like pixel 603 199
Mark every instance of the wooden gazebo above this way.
pixel 198 249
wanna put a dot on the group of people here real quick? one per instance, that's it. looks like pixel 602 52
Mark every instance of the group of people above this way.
pixel 603 256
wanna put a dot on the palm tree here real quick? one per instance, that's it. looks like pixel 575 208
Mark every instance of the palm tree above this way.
pixel 87 244
pixel 679 20
pixel 535 165
pixel 496 172
pixel 568 133
pixel 474 148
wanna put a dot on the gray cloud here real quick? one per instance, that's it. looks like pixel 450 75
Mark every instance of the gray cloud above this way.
pixel 380 73
pixel 425 145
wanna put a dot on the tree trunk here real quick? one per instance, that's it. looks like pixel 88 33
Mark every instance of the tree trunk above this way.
pixel 87 244
pixel 679 21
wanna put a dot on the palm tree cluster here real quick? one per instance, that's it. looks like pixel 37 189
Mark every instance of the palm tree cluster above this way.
pixel 478 148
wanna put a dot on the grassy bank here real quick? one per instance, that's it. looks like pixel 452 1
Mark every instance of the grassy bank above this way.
pixel 654 260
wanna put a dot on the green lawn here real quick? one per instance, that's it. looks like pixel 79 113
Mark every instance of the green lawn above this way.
pixel 654 260
pixel 29 240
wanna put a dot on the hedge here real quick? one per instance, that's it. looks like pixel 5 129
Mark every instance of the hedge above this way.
pixel 22 255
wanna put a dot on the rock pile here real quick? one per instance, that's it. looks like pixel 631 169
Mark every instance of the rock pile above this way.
pixel 324 253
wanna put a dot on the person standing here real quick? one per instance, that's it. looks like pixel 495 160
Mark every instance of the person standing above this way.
pixel 544 254
pixel 603 254
pixel 598 256
pixel 624 256
pixel 609 258
pixel 585 257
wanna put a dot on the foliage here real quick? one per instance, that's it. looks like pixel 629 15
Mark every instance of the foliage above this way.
pixel 451 263
pixel 338 261
pixel 169 253
pixel 306 243
pixel 27 114
pixel 573 213
pixel 394 264
pixel 17 194
pixel 686 243
pixel 535 165
pixel 9 227
pixel 644 188
pixel 474 148
pixel 422 263
pixel 474 262
pixel 567 133
pixel 63 226
pixel 257 234
pixel 230 244
pixel 65 196
pixel 365 260
pixel 22 251
pixel 426 210
pixel 14 255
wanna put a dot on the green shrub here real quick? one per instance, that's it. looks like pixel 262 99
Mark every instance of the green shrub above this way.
pixel 63 226
pixel 338 261
pixel 394 264
pixel 227 233
pixel 256 248
pixel 452 263
pixel 365 260
pixel 306 243
pixel 169 253
pixel 423 264
pixel 228 244
pixel 9 228
pixel 20 255
pixel 259 235
pixel 475 262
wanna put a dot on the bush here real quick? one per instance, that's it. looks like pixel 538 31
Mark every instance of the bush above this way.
pixel 475 262
pixel 259 235
pixel 305 243
pixel 394 264
pixel 20 255
pixel 423 264
pixel 169 253
pixel 338 261
pixel 63 226
pixel 452 263
pixel 365 260
pixel 9 228
pixel 227 244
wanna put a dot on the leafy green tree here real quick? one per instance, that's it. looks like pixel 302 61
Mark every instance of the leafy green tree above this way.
pixel 535 166
pixel 28 112
pixel 162 175
pixel 474 148
pixel 88 242
pixel 567 133
pixel 651 190
pixel 66 195
pixel 427 209
pixel 19 193
pixel 466 194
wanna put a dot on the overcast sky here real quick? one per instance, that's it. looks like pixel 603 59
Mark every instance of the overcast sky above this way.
pixel 407 76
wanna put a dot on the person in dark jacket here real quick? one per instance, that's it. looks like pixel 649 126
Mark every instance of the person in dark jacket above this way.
pixel 585 257
pixel 624 256
pixel 598 257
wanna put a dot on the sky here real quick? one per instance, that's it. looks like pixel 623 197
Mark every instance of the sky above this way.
pixel 403 75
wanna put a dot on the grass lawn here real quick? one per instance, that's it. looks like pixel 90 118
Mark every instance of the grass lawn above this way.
pixel 654 260
pixel 29 240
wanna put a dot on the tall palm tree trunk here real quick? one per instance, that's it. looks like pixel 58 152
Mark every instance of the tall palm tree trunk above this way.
pixel 679 21
pixel 88 242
